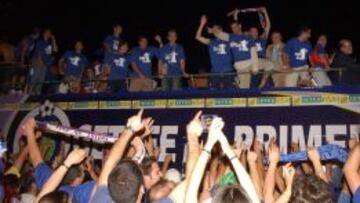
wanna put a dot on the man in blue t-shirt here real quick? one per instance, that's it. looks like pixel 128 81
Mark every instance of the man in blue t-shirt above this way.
pixel 220 57
pixel 111 42
pixel 73 182
pixel 26 46
pixel 42 61
pixel 73 63
pixel 116 66
pixel 297 57
pixel 243 50
pixel 261 42
pixel 172 63
pixel 141 63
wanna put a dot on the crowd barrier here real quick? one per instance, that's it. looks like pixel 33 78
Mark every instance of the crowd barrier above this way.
pixel 16 79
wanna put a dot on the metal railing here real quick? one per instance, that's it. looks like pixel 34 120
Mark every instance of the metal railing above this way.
pixel 15 79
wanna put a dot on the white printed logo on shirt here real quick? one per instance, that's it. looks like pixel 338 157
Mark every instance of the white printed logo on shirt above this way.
pixel 259 47
pixel 75 60
pixel 48 50
pixel 171 58
pixel 301 55
pixel 145 58
pixel 119 62
pixel 116 44
pixel 242 46
pixel 220 50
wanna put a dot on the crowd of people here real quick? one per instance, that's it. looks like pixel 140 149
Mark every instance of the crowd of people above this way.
pixel 236 58
pixel 214 171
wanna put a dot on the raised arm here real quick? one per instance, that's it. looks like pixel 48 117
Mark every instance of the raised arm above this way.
pixel 75 157
pixel 289 173
pixel 265 23
pixel 159 40
pixel 251 159
pixel 219 34
pixel 199 31
pixel 274 157
pixel 240 171
pixel 234 13
pixel 34 150
pixel 19 161
pixel 199 169
pixel 194 130
pixel 89 167
pixel 314 157
pixel 166 164
pixel 351 169
pixel 134 124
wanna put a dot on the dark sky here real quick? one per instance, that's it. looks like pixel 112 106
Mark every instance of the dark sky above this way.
pixel 91 20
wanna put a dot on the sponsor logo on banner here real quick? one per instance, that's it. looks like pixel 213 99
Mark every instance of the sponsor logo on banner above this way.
pixel 186 103
pixel 269 101
pixel 325 99
pixel 225 102
pixel 149 104
pixel 115 104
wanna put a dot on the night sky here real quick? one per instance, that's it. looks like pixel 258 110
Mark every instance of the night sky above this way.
pixel 91 20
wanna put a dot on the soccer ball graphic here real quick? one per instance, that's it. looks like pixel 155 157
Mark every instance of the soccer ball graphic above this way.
pixel 46 109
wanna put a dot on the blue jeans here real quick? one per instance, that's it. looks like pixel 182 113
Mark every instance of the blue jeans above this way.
pixel 37 77
pixel 221 81
pixel 173 83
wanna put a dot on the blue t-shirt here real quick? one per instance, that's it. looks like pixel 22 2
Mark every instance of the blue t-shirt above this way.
pixel 241 47
pixel 356 196
pixel 102 195
pixel 119 65
pixel 44 50
pixel 80 194
pixel 220 56
pixel 142 58
pixel 75 63
pixel 113 42
pixel 261 47
pixel 298 52
pixel 172 55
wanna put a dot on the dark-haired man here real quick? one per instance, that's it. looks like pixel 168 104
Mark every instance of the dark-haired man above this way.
pixel 141 63
pixel 220 57
pixel 73 63
pixel 243 50
pixel 296 57
pixel 78 191
pixel 116 67
pixel 121 181
pixel 42 60
pixel 344 59
pixel 172 63
pixel 111 42
pixel 261 42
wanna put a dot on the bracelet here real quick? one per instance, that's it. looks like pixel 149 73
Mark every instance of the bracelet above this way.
pixel 63 164
pixel 130 129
